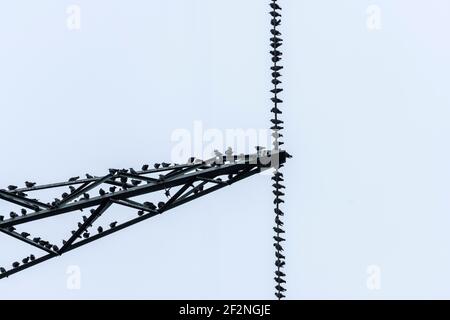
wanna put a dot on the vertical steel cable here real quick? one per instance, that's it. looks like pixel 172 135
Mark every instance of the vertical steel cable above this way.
pixel 276 42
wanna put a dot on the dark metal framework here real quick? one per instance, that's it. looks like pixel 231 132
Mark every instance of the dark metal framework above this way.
pixel 191 181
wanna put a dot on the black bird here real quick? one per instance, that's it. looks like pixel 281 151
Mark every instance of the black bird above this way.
pixel 112 225
pixel 11 229
pixel 280 288
pixel 55 248
pixel 161 205
pixel 145 167
pixel 32 257
pixel 278 239
pixel 23 212
pixel 150 205
pixel 167 193
pixel 278 230
pixel 123 179
pixel 100 229
pixel 279 280
pixel 113 171
pixel 13 215
pixel 278 247
pixel 275 6
pixel 136 182
pixel 165 165
pixel 25 260
pixel 73 179
pixel 16 264
pixel 280 274
pixel 12 188
pixel 275 32
pixel 101 192
pixel 279 263
pixel 278 221
pixel 279 295
pixel 112 189
pixel 2 218
pixel 278 201
pixel 2 270
pixel 86 196
pixel 36 240
pixel 29 184
pixel 80 224
pixel 279 255
pixel 141 213
pixel 157 165
pixel 65 195
pixel 88 176
pixel 132 171
pixel 86 235
pixel 72 189
pixel 25 234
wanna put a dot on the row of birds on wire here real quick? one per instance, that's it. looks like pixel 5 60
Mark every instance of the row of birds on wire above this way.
pixel 277 125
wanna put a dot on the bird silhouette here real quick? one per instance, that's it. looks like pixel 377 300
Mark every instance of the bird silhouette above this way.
pixel 112 189
pixel 280 264
pixel 113 224
pixel 55 248
pixel 12 188
pixel 16 264
pixel 280 288
pixel 136 182
pixel 23 212
pixel 167 193
pixel 150 205
pixel 165 165
pixel 101 192
pixel 2 270
pixel 278 230
pixel 72 189
pixel 73 179
pixel 278 221
pixel 13 215
pixel 279 295
pixel 88 176
pixel 279 280
pixel 32 257
pixel 132 171
pixel 141 213
pixel 100 229
pixel 25 234
pixel 278 247
pixel 145 167
pixel 157 165
pixel 25 260
pixel 29 184
pixel 280 273
pixel 36 240
pixel 86 235
pixel 278 239
pixel 2 218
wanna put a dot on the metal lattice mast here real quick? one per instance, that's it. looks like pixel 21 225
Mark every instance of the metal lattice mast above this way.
pixel 276 43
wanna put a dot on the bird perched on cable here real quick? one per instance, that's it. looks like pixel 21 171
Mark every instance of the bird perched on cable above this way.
pixel 2 270
pixel 12 188
pixel 278 221
pixel 280 288
pixel 279 280
pixel 88 176
pixel 32 257
pixel 165 165
pixel 86 196
pixel 145 167
pixel 13 215
pixel 150 205
pixel 278 247
pixel 36 240
pixel 25 234
pixel 167 193
pixel 280 274
pixel 279 295
pixel 23 212
pixel 157 165
pixel 29 184
pixel 278 230
pixel 73 179
pixel 161 205
pixel 86 235
pixel 72 189
pixel 25 260
pixel 132 171
pixel 101 192
pixel 16 264
pixel 2 218
pixel 112 189
pixel 112 225
pixel 55 248
pixel 141 213
pixel 100 229
pixel 136 182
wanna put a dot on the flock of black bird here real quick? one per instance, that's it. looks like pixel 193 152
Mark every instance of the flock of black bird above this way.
pixel 276 42
pixel 125 184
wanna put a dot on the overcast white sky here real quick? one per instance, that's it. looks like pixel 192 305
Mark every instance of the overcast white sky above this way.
pixel 366 113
